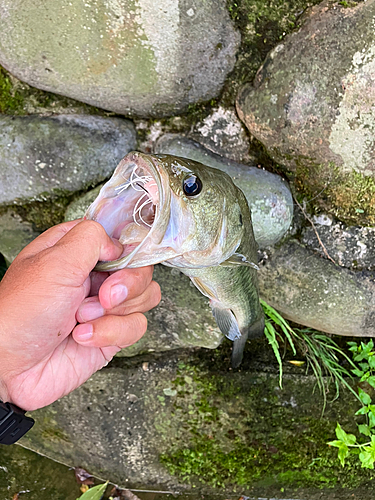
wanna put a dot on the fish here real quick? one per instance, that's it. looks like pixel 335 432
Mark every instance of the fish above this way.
pixel 183 214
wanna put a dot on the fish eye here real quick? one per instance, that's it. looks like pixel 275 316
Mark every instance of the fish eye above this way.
pixel 192 185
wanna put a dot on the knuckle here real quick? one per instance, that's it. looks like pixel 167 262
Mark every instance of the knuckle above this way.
pixel 156 293
pixel 91 228
pixel 141 323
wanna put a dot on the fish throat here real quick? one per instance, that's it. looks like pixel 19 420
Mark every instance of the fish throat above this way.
pixel 128 204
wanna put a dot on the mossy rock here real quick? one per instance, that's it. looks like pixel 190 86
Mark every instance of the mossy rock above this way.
pixel 311 106
pixel 189 424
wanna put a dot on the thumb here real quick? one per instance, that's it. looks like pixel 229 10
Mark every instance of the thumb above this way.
pixel 82 247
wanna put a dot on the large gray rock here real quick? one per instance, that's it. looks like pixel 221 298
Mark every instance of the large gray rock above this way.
pixel 171 424
pixel 268 195
pixel 312 291
pixel 145 58
pixel 349 246
pixel 313 99
pixel 42 156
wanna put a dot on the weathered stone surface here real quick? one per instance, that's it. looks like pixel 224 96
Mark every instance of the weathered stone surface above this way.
pixel 145 58
pixel 349 246
pixel 313 99
pixel 312 291
pixel 238 429
pixel 15 234
pixel 223 133
pixel 268 195
pixel 42 156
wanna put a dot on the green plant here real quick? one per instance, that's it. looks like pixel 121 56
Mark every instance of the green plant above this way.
pixel 347 444
pixel 321 352
pixel 95 493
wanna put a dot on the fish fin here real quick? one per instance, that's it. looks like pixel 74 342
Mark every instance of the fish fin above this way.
pixel 203 288
pixel 254 331
pixel 237 259
pixel 226 321
pixel 237 351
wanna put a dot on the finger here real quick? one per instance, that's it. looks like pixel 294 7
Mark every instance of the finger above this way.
pixel 124 284
pixel 91 308
pixel 47 239
pixel 81 248
pixel 149 299
pixel 120 331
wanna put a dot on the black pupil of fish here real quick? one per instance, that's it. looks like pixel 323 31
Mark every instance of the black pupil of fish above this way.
pixel 192 185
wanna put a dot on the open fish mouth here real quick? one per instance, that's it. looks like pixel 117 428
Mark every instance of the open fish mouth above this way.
pixel 129 207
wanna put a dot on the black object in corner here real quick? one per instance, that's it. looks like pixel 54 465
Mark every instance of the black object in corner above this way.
pixel 13 423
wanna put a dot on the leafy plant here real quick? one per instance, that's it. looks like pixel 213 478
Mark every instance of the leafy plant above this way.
pixel 347 444
pixel 95 493
pixel 321 352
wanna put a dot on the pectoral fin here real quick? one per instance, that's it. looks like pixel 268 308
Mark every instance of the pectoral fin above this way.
pixel 238 259
pixel 226 321
pixel 203 288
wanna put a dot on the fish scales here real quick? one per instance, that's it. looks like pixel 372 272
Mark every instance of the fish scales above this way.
pixel 181 213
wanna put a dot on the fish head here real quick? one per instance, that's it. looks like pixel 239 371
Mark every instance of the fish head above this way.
pixel 163 208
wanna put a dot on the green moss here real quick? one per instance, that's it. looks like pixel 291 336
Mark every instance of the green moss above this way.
pixel 18 98
pixel 348 196
pixel 253 442
pixel 263 24
pixel 45 214
pixel 11 100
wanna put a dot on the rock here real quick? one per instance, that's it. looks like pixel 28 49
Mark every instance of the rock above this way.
pixel 312 106
pixel 44 156
pixel 179 424
pixel 349 246
pixel 312 100
pixel 148 59
pixel 310 290
pixel 268 195
pixel 222 133
pixel 15 234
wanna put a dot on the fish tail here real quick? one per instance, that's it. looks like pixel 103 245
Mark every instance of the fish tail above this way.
pixel 237 351
pixel 254 331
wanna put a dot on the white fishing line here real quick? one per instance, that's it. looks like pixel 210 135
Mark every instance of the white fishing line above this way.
pixel 137 182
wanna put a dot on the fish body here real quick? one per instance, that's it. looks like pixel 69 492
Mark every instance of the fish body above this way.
pixel 181 213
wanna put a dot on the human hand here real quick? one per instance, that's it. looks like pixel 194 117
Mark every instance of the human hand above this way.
pixel 44 354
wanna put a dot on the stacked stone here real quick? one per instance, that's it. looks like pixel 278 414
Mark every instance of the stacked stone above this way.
pixel 311 109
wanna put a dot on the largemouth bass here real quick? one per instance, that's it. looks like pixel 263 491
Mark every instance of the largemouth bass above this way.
pixel 183 214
